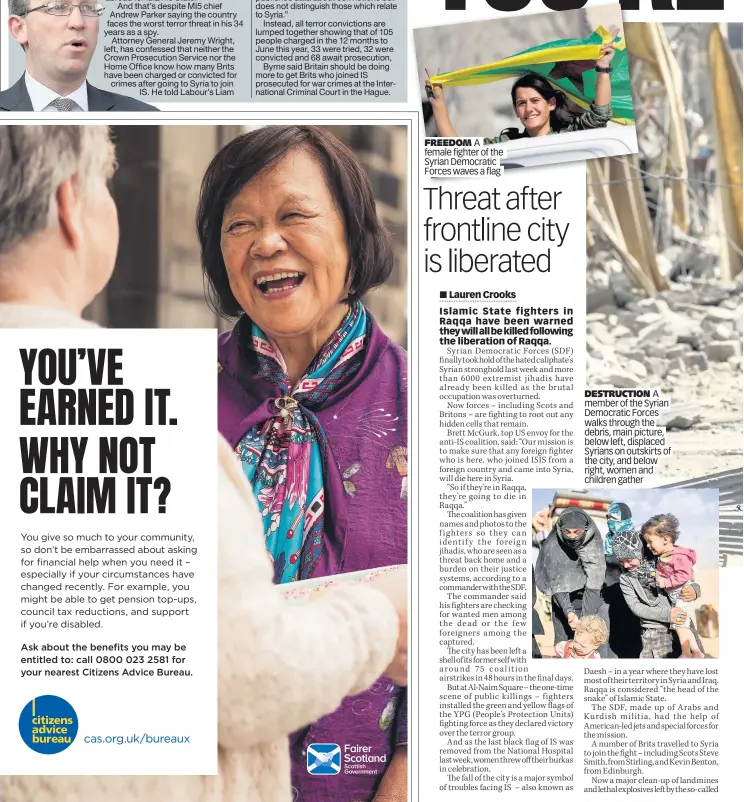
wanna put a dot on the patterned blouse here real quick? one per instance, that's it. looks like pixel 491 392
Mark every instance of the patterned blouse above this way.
pixel 594 117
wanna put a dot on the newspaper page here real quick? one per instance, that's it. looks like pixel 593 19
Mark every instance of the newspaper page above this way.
pixel 472 274
pixel 585 421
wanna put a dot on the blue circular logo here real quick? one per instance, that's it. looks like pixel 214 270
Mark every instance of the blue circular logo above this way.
pixel 48 724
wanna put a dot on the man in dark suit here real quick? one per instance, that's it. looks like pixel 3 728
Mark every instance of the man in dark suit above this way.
pixel 59 38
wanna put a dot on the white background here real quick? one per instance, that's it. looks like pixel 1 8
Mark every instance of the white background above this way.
pixel 184 362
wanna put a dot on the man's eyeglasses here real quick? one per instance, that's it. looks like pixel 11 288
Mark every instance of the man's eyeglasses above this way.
pixel 62 8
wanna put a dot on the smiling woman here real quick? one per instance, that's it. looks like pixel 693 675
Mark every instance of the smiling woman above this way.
pixel 312 394
pixel 286 256
pixel 540 107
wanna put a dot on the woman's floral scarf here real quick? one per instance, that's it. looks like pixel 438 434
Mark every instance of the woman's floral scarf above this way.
pixel 285 457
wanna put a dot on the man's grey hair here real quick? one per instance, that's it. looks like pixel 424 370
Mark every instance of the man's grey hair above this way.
pixel 34 161
pixel 18 7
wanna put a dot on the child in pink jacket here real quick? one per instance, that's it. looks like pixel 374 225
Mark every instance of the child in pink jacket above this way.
pixel 674 570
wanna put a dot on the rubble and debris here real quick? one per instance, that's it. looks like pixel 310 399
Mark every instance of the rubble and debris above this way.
pixel 681 416
pixel 664 279
pixel 730 487
pixel 642 342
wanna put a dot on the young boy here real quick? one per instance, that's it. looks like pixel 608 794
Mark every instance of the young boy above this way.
pixel 674 570
pixel 590 633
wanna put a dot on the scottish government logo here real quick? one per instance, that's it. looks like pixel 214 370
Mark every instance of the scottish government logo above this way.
pixel 323 759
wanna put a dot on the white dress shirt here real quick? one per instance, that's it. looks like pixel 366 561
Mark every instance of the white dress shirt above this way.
pixel 41 96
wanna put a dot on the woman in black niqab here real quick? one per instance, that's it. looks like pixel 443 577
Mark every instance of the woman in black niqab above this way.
pixel 570 569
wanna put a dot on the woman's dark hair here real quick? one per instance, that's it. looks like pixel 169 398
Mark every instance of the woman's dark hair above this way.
pixel 666 524
pixel 564 111
pixel 243 159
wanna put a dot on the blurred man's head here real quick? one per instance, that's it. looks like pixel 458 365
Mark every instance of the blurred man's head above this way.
pixel 59 230
pixel 59 38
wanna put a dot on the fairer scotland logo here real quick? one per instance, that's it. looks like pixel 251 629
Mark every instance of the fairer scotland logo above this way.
pixel 323 759
pixel 326 759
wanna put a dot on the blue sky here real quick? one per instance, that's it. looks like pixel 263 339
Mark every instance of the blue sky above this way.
pixel 697 511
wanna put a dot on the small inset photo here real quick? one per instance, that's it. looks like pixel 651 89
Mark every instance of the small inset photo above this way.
pixel 522 80
pixel 621 573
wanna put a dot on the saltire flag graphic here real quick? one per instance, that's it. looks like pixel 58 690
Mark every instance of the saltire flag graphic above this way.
pixel 568 64
pixel 324 759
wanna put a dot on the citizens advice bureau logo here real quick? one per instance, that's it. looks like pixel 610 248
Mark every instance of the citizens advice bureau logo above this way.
pixel 323 759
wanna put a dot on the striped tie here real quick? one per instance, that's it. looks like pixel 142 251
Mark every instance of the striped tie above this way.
pixel 65 104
